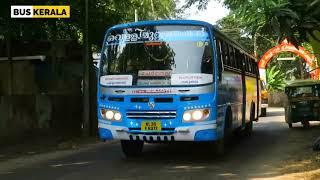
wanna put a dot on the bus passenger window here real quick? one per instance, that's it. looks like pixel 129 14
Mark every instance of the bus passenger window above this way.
pixel 238 59
pixel 219 55
pixel 231 63
pixel 250 64
pixel 242 62
pixel 256 67
pixel 246 63
pixel 224 53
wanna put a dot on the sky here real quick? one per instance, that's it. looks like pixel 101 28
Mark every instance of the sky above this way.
pixel 212 14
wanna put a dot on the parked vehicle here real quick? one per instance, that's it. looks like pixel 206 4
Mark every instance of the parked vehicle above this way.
pixel 264 99
pixel 303 102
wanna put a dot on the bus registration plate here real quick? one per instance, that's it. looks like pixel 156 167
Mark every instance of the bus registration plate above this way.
pixel 151 125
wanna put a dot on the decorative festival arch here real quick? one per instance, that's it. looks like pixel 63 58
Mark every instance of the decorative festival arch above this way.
pixel 286 46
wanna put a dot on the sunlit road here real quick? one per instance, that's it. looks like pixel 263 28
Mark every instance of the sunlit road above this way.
pixel 267 154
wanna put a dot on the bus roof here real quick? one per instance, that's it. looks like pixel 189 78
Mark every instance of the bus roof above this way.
pixel 162 22
pixel 303 82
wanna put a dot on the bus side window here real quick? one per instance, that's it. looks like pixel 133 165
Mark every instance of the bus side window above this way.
pixel 235 58
pixel 238 59
pixel 250 64
pixel 231 59
pixel 225 53
pixel 219 58
pixel 247 63
pixel 242 67
pixel 254 67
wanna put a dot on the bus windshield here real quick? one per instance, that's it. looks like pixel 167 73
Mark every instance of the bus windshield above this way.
pixel 157 56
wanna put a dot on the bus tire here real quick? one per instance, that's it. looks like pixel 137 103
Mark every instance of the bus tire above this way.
pixel 263 112
pixel 249 126
pixel 223 142
pixel 305 124
pixel 132 148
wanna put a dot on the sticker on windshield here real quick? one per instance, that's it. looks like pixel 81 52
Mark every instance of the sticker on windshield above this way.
pixel 200 44
pixel 153 82
pixel 116 80
pixel 154 73
pixel 143 35
pixel 191 79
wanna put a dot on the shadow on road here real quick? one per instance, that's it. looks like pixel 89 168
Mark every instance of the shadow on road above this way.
pixel 275 112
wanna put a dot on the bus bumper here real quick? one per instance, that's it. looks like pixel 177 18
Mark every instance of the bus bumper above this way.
pixel 205 132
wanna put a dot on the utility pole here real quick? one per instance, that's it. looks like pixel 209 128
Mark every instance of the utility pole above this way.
pixel 86 75
pixel 152 9
pixel 136 18
pixel 11 79
pixel 9 54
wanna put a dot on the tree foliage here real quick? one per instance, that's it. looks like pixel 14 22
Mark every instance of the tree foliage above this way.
pixel 234 28
pixel 275 79
pixel 102 15
pixel 292 19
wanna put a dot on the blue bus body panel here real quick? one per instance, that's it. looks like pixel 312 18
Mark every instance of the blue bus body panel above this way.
pixel 169 126
pixel 207 130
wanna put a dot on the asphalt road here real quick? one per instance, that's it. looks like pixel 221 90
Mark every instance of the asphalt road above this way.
pixel 272 151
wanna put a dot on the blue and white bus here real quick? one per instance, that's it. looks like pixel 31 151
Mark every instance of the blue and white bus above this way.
pixel 174 80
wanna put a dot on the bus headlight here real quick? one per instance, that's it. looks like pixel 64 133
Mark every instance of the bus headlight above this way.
pixel 117 116
pixel 196 115
pixel 111 115
pixel 187 116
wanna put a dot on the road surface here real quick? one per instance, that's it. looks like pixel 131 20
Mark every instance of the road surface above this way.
pixel 273 152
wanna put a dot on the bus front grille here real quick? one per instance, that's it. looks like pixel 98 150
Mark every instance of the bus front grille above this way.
pixel 151 114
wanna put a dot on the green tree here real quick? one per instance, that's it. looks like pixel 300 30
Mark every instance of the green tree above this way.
pixel 102 15
pixel 234 28
pixel 293 19
pixel 276 79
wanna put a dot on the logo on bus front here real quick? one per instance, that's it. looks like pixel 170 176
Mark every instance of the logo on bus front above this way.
pixel 151 105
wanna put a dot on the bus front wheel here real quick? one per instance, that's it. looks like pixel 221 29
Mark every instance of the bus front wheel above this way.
pixel 222 143
pixel 263 112
pixel 132 148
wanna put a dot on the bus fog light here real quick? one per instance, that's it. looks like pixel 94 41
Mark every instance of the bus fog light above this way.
pixel 197 115
pixel 117 116
pixel 186 116
pixel 109 114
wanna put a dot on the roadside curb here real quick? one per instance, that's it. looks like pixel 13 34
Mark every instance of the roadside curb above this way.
pixel 7 166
